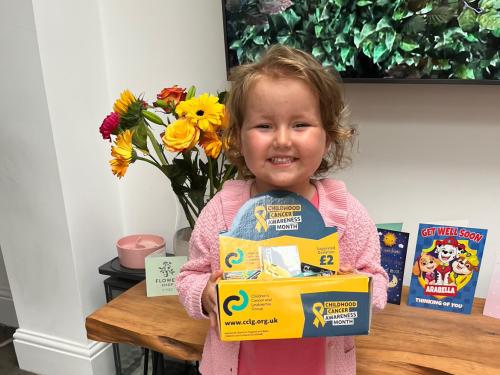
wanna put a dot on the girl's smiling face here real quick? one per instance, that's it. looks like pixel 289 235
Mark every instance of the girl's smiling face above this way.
pixel 282 137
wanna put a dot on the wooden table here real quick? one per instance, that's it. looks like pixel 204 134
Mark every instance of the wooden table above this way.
pixel 412 340
pixel 157 323
pixel 403 340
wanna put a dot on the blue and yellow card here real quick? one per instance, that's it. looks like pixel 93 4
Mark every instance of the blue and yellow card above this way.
pixel 393 248
pixel 446 267
pixel 280 265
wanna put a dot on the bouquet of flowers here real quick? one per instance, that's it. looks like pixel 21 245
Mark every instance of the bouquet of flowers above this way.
pixel 188 125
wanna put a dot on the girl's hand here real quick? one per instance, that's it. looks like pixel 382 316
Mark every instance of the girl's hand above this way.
pixel 208 301
pixel 345 269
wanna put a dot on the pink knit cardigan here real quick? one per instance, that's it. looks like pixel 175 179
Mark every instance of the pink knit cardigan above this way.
pixel 358 244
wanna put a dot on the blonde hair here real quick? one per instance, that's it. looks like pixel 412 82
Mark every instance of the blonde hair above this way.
pixel 285 62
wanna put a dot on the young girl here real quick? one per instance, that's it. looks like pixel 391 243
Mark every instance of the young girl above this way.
pixel 285 128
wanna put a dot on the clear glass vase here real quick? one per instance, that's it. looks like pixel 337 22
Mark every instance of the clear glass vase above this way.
pixel 181 241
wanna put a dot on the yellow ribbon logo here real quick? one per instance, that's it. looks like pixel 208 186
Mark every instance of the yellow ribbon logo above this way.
pixel 260 215
pixel 317 310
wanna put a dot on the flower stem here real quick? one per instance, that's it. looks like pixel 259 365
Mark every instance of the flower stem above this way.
pixel 186 154
pixel 223 159
pixel 153 158
pixel 185 206
pixel 156 146
pixel 211 176
pixel 192 207
pixel 154 162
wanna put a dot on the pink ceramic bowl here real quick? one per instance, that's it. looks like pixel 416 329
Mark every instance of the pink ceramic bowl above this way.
pixel 134 248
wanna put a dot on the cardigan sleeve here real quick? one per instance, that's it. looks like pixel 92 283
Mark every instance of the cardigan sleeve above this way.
pixel 194 274
pixel 361 234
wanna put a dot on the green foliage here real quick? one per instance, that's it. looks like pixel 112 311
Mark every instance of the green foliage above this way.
pixel 467 20
pixel 189 176
pixel 378 38
pixel 133 115
pixel 140 135
pixel 133 120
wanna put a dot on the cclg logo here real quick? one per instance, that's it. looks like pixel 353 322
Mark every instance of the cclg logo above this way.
pixel 243 296
pixel 238 255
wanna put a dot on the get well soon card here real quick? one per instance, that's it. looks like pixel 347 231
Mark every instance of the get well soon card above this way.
pixel 446 266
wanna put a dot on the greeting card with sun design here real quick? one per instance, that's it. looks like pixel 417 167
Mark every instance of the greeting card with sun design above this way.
pixel 393 246
pixel 389 239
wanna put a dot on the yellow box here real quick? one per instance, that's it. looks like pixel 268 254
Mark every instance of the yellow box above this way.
pixel 294 307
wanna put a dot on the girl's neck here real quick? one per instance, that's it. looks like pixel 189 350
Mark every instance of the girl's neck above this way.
pixel 308 191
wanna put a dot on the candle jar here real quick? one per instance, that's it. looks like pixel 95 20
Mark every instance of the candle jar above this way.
pixel 133 249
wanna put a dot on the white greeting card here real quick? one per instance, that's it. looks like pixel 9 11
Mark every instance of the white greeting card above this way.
pixel 492 305
pixel 161 271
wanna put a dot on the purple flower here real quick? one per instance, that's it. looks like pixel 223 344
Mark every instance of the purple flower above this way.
pixel 109 125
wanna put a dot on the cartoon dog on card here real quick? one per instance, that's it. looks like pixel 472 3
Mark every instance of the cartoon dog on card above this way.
pixel 446 267
pixel 463 268
pixel 447 251
pixel 425 268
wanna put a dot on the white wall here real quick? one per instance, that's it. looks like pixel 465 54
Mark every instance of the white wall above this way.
pixel 429 153
pixel 60 208
pixel 73 59
pixel 31 199
pixel 169 43
pixel 426 152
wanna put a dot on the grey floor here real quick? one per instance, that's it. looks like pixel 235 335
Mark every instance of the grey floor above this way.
pixel 8 359
pixel 131 359
pixel 171 365
pixel 8 362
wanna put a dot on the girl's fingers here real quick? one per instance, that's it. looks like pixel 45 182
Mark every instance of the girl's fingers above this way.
pixel 215 276
pixel 213 317
pixel 345 269
pixel 213 320
pixel 211 299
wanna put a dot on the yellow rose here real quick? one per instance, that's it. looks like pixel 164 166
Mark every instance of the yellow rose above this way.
pixel 180 135
pixel 211 144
